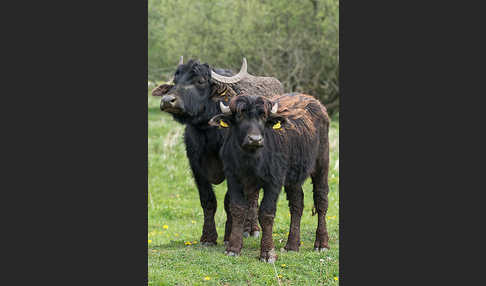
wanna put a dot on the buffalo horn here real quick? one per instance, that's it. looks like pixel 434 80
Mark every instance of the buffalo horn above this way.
pixel 232 79
pixel 225 109
pixel 274 108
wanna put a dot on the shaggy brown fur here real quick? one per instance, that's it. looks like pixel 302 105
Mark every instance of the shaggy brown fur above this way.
pixel 300 111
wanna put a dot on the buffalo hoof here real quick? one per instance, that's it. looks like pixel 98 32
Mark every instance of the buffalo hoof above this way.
pixel 230 253
pixel 253 234
pixel 208 243
pixel 269 256
pixel 321 245
pixel 291 248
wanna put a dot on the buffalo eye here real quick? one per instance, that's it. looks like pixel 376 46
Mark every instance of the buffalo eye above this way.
pixel 201 81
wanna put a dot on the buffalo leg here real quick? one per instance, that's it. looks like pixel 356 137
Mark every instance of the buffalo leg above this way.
pixel 295 196
pixel 266 216
pixel 320 192
pixel 209 205
pixel 251 222
pixel 239 208
pixel 228 225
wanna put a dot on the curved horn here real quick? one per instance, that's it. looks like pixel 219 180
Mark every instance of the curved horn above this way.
pixel 274 108
pixel 233 79
pixel 225 109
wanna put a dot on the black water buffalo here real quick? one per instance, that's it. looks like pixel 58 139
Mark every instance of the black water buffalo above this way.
pixel 270 143
pixel 193 98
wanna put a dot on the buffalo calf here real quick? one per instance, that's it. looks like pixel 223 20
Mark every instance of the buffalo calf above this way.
pixel 270 143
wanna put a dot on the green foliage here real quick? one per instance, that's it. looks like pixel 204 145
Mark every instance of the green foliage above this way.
pixel 294 41
pixel 173 200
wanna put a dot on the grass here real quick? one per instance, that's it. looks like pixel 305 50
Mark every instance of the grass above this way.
pixel 175 218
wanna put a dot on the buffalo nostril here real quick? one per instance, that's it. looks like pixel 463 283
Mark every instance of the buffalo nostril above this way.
pixel 168 99
pixel 255 138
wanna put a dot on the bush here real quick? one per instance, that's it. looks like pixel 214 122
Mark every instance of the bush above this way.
pixel 294 41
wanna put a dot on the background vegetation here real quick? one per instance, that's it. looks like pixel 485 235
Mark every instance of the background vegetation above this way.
pixel 294 41
pixel 175 219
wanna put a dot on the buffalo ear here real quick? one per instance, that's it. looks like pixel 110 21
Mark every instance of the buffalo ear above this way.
pixel 219 120
pixel 161 89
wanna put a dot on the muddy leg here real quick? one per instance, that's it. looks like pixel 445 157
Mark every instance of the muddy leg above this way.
pixel 251 222
pixel 239 209
pixel 321 190
pixel 295 196
pixel 321 204
pixel 266 217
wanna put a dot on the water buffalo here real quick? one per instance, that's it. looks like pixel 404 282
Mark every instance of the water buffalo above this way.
pixel 270 143
pixel 192 97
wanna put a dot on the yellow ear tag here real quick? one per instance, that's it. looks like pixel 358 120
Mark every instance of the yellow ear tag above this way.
pixel 223 124
pixel 277 125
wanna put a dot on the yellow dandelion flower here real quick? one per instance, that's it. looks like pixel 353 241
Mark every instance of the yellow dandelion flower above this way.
pixel 284 265
pixel 335 278
pixel 279 276
pixel 193 221
pixel 176 234
pixel 207 278
pixel 301 243
pixel 188 243
pixel 149 241
pixel 194 242
pixel 165 226
pixel 289 214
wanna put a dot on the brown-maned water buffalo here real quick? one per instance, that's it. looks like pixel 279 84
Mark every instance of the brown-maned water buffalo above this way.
pixel 270 143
